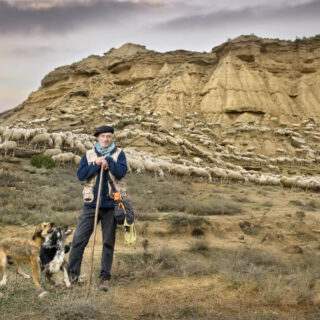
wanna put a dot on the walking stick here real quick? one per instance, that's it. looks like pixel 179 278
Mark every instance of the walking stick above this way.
pixel 94 232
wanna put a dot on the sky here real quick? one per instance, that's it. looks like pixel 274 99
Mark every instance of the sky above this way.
pixel 37 36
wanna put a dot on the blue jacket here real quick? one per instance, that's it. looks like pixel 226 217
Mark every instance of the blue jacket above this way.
pixel 118 169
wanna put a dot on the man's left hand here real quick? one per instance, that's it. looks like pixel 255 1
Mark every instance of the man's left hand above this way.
pixel 104 164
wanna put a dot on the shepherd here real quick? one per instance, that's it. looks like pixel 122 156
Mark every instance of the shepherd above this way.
pixel 104 155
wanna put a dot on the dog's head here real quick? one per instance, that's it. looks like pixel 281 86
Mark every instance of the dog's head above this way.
pixel 42 230
pixel 57 237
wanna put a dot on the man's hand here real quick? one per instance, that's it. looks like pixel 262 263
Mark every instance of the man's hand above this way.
pixel 101 161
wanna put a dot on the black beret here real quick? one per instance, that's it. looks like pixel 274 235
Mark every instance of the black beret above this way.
pixel 103 129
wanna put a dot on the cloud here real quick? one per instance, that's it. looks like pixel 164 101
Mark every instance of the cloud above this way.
pixel 48 4
pixel 38 36
pixel 60 16
pixel 250 14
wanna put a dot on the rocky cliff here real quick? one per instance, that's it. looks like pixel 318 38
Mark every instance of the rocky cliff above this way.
pixel 246 80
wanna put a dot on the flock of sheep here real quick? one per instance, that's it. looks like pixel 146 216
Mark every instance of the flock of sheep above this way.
pixel 68 147
pixel 53 144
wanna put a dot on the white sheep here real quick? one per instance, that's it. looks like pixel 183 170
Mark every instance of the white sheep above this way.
pixel 52 152
pixel 218 172
pixel 7 133
pixel 63 158
pixel 200 172
pixel 42 139
pixel 17 134
pixel 197 160
pixel 88 145
pixel 76 159
pixel 136 164
pixel 153 167
pixel 180 169
pixel 57 139
pixel 68 140
pixel 79 147
pixel 8 146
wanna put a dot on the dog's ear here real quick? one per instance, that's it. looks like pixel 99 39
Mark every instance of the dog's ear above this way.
pixel 37 232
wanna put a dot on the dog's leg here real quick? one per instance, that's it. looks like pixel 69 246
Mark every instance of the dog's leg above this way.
pixel 36 275
pixel 49 277
pixel 3 264
pixel 66 277
pixel 23 274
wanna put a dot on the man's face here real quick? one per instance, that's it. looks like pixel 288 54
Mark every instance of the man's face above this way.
pixel 105 138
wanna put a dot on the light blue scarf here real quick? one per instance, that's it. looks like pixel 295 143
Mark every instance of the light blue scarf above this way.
pixel 105 151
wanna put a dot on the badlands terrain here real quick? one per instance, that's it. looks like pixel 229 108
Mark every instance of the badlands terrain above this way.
pixel 224 173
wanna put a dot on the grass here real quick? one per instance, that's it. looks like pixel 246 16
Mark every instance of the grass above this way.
pixel 215 205
pixel 42 161
pixel 203 272
pixel 51 195
pixel 271 283
pixel 55 194
pixel 308 205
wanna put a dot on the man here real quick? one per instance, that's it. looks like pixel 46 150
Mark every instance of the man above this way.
pixel 113 161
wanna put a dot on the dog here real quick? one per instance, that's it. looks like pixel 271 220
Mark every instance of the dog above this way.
pixel 19 251
pixel 52 254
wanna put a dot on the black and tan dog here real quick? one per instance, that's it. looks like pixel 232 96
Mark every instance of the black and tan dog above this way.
pixel 23 251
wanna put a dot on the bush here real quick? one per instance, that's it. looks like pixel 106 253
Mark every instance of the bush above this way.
pixel 213 206
pixel 41 160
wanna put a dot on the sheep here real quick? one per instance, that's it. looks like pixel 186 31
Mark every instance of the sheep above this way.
pixel 88 145
pixel 79 147
pixel 124 135
pixel 180 169
pixel 63 158
pixel 235 175
pixel 197 160
pixel 152 166
pixel 52 152
pixel 136 164
pixel 200 172
pixel 57 139
pixel 17 134
pixel 156 139
pixel 218 172
pixel 68 140
pixel 172 140
pixel 8 146
pixel 76 159
pixel 288 181
pixel 269 180
pixel 42 138
pixel 185 151
pixel 27 135
pixel 7 133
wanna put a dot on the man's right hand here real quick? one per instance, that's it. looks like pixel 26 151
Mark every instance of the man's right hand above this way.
pixel 102 161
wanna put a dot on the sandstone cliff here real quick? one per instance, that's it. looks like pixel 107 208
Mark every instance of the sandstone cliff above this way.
pixel 247 80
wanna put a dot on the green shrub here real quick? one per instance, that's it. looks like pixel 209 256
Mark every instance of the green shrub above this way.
pixel 41 160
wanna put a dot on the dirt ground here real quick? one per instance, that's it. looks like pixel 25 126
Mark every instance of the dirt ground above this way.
pixel 245 252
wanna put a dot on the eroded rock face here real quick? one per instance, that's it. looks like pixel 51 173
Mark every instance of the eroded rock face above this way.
pixel 245 80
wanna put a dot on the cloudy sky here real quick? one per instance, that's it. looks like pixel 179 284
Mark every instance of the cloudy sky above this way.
pixel 39 35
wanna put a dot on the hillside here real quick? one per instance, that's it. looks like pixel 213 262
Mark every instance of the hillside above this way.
pixel 265 81
pixel 223 115
pixel 219 251
pixel 223 157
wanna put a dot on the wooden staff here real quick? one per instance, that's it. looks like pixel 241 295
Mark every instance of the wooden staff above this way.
pixel 94 232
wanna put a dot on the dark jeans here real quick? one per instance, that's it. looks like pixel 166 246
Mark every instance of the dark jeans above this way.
pixel 82 235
